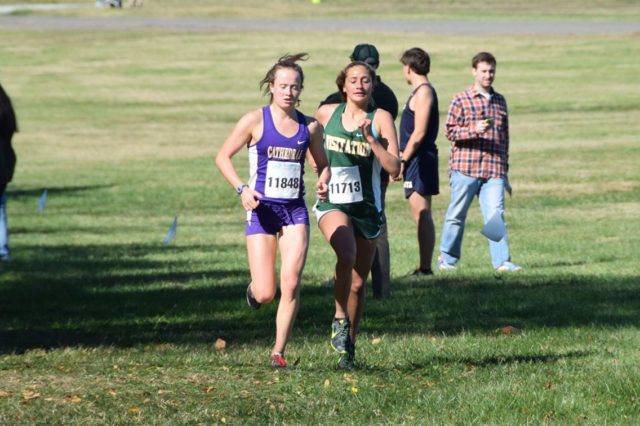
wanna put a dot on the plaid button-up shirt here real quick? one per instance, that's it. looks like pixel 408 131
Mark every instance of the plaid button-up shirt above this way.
pixel 482 156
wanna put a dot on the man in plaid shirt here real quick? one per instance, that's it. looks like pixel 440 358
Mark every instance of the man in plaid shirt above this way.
pixel 478 128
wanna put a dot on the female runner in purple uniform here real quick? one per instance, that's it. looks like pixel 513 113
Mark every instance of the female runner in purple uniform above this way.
pixel 278 138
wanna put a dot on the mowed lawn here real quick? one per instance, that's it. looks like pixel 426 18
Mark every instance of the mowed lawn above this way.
pixel 100 323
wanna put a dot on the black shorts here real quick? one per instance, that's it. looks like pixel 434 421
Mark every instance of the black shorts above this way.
pixel 421 175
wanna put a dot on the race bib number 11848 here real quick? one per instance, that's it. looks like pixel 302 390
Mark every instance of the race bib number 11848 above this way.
pixel 282 180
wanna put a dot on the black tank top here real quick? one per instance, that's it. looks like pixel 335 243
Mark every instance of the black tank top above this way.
pixel 407 122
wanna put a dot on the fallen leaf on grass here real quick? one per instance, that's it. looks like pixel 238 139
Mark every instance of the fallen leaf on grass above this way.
pixel 354 389
pixel 509 329
pixel 470 372
pixel 72 398
pixel 275 380
pixel 376 341
pixel 134 410
pixel 162 392
pixel 113 394
pixel 349 378
pixel 220 344
pixel 327 383
pixel 4 394
pixel 28 395
pixel 208 389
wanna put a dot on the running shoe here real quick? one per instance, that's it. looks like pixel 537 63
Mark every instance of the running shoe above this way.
pixel 251 301
pixel 340 340
pixel 347 360
pixel 443 265
pixel 508 267
pixel 278 361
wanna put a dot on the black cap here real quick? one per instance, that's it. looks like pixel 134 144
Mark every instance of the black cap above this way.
pixel 366 53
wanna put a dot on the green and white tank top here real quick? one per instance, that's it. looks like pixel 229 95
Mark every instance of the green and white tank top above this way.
pixel 355 171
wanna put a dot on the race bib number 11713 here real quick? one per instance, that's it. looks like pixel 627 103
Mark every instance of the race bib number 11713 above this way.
pixel 345 185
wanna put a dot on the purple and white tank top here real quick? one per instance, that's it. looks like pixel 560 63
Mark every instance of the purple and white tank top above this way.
pixel 276 162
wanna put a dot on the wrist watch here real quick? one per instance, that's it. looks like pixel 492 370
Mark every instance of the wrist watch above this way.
pixel 241 188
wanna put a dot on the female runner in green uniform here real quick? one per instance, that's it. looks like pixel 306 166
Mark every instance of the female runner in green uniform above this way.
pixel 358 144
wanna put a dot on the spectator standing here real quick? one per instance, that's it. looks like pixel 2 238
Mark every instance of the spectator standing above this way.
pixel 478 128
pixel 419 165
pixel 8 127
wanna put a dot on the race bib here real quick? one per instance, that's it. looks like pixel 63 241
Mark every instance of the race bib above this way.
pixel 345 185
pixel 282 180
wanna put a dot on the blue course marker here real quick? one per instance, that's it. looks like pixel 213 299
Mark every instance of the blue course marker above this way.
pixel 42 201
pixel 172 231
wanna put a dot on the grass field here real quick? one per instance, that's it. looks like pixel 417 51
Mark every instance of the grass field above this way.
pixel 591 10
pixel 102 324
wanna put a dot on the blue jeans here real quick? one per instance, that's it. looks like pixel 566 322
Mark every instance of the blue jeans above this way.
pixel 464 188
pixel 4 233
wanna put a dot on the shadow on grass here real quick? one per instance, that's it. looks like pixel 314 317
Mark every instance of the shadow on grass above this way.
pixel 501 360
pixel 65 190
pixel 126 295
pixel 476 362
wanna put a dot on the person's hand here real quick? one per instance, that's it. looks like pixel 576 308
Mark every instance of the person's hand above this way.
pixel 483 125
pixel 250 199
pixel 399 178
pixel 365 127
pixel 322 190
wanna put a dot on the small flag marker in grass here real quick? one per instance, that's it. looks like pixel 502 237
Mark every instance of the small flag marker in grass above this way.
pixel 172 231
pixel 42 201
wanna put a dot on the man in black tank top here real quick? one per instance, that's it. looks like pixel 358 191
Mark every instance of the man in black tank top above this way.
pixel 418 132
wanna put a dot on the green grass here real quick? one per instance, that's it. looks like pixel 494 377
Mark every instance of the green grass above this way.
pixel 591 10
pixel 100 323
